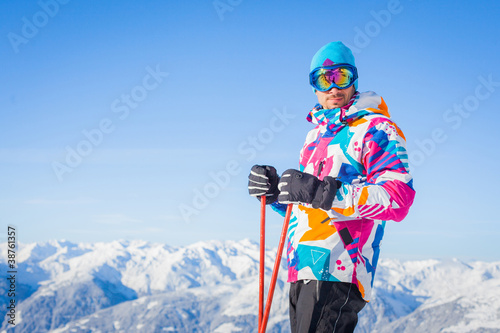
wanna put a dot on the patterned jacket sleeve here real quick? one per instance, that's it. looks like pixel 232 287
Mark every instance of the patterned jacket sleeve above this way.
pixel 279 208
pixel 387 191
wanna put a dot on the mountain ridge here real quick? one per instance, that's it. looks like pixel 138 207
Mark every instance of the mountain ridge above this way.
pixel 211 286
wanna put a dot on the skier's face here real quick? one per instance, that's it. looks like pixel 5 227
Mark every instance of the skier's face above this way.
pixel 335 98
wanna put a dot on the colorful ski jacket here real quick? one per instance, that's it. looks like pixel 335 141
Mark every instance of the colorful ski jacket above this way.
pixel 363 148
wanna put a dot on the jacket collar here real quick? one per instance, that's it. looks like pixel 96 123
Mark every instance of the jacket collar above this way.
pixel 360 105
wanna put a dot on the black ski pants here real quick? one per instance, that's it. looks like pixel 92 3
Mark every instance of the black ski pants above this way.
pixel 323 306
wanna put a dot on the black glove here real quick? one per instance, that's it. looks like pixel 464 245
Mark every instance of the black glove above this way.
pixel 263 181
pixel 299 188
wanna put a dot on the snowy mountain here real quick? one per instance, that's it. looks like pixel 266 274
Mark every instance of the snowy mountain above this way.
pixel 212 287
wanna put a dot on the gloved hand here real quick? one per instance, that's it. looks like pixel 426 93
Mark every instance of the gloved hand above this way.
pixel 263 181
pixel 300 188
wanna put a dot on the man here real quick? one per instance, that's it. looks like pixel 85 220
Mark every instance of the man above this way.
pixel 353 177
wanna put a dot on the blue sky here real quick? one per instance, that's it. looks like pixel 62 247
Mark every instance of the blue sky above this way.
pixel 140 120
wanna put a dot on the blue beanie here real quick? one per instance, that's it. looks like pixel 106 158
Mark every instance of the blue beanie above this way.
pixel 331 54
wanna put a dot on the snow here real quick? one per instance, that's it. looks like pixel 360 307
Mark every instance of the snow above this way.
pixel 136 285
pixel 152 305
pixel 227 328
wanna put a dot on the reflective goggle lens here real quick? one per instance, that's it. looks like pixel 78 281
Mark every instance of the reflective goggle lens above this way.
pixel 325 78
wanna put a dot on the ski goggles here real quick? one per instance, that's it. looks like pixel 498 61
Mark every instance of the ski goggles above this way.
pixel 340 76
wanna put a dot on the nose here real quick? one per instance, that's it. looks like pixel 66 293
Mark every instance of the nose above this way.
pixel 334 90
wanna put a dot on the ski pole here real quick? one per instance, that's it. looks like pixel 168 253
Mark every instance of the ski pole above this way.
pixel 262 328
pixel 262 256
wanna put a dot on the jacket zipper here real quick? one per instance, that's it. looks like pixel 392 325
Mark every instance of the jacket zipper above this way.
pixel 320 168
